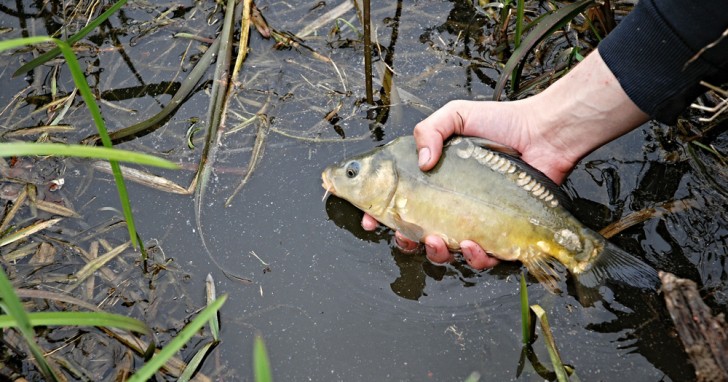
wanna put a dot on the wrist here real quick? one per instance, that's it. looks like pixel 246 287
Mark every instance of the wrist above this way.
pixel 584 110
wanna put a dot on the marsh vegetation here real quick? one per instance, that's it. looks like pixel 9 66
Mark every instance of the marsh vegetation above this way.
pixel 250 130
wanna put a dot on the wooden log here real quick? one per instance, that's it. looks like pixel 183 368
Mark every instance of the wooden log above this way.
pixel 703 335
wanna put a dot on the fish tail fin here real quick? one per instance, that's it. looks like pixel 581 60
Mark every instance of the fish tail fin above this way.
pixel 541 266
pixel 616 264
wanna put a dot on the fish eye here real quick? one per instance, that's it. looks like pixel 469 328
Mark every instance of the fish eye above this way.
pixel 352 169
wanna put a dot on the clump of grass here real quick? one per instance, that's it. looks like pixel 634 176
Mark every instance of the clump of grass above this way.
pixel 542 28
pixel 160 358
pixel 15 315
pixel 88 97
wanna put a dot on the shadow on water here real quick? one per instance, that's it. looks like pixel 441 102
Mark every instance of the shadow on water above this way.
pixel 335 302
pixel 414 268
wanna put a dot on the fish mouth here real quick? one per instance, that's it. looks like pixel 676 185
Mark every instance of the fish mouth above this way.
pixel 327 185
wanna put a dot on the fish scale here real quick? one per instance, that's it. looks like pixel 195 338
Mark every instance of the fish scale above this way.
pixel 481 191
pixel 504 165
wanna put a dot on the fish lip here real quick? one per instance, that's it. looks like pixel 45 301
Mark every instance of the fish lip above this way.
pixel 327 184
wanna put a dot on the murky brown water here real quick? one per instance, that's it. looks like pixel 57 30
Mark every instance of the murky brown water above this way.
pixel 339 303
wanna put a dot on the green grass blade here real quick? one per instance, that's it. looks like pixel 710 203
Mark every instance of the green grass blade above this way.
pixel 12 306
pixel 561 375
pixel 525 313
pixel 543 29
pixel 101 319
pixel 93 107
pixel 195 362
pixel 83 151
pixel 159 359
pixel 261 364
pixel 72 40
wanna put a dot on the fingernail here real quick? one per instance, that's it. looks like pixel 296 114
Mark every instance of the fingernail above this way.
pixel 423 156
pixel 405 246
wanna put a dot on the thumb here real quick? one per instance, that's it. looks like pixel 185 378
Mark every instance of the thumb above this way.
pixel 429 149
pixel 431 132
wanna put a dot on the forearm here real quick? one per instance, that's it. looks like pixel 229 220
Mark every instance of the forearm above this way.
pixel 583 110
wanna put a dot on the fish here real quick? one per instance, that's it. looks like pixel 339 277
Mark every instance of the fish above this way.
pixel 482 191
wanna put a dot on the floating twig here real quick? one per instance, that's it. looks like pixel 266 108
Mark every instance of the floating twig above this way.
pixel 637 217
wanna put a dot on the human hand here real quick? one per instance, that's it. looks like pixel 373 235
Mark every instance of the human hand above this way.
pixel 552 130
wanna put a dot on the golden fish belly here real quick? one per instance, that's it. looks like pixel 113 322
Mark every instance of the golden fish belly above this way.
pixel 458 216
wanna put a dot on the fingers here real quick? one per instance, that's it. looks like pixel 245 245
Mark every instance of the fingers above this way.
pixel 436 249
pixel 369 223
pixel 405 245
pixel 476 256
pixel 431 132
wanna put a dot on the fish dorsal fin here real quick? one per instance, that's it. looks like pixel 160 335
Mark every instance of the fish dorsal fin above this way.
pixel 486 144
pixel 494 146
pixel 542 266
pixel 513 156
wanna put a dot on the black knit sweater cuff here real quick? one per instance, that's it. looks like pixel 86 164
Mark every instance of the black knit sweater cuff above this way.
pixel 651 60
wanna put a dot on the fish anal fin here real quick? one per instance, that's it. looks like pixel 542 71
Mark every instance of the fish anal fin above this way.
pixel 541 266
pixel 409 230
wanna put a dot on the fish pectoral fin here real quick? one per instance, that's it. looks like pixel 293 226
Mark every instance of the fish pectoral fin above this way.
pixel 543 267
pixel 409 230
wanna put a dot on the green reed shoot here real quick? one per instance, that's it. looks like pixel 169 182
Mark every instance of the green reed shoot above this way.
pixel 214 324
pixel 195 362
pixel 530 315
pixel 517 37
pixel 261 364
pixel 525 313
pixel 519 23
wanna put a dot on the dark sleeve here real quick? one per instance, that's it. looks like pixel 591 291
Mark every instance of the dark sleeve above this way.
pixel 650 53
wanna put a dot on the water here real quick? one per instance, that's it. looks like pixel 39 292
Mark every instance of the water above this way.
pixel 332 301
